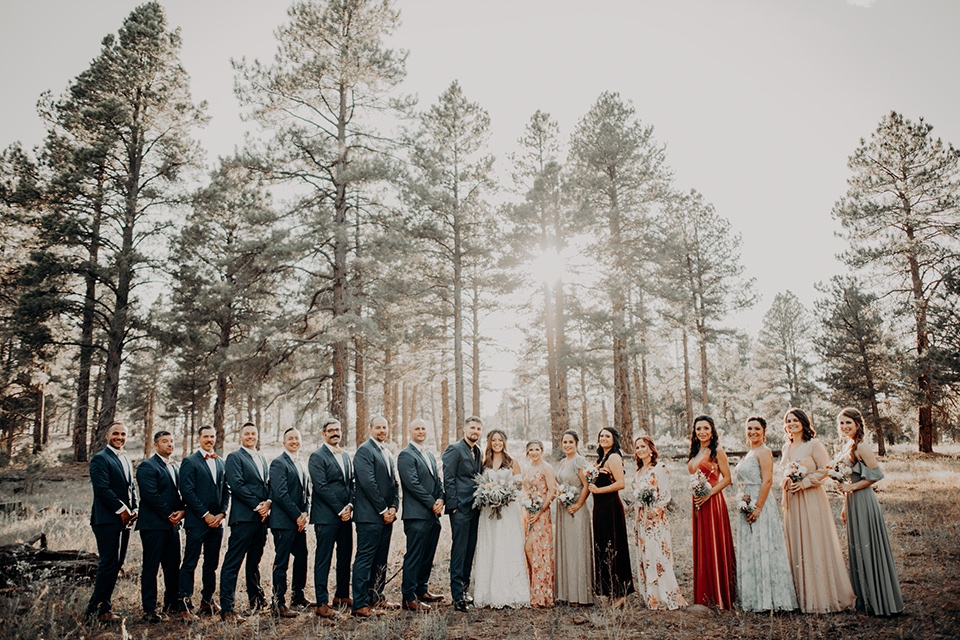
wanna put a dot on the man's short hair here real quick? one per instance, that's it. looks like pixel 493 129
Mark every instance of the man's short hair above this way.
pixel 288 431
pixel 473 419
pixel 248 424
pixel 206 426
pixel 160 434
pixel 328 422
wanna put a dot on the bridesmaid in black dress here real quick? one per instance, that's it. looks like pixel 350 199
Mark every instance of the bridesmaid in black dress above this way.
pixel 614 576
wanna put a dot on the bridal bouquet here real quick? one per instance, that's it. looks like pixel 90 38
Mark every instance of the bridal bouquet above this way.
pixel 642 494
pixel 838 470
pixel 745 503
pixel 533 504
pixel 699 485
pixel 795 471
pixel 567 494
pixel 495 489
pixel 592 473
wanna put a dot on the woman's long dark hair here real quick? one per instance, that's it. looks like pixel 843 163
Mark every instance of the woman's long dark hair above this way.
pixel 808 432
pixel 653 452
pixel 506 462
pixel 615 448
pixel 855 415
pixel 695 442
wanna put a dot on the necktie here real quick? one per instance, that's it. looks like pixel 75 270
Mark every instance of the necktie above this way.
pixel 476 458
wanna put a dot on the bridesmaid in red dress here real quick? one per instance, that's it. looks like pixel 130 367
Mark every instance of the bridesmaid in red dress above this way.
pixel 714 565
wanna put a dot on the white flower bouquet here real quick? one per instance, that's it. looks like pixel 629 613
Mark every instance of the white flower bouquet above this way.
pixel 495 489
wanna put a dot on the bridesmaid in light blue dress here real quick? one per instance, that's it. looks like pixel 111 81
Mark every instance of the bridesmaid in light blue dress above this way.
pixel 764 581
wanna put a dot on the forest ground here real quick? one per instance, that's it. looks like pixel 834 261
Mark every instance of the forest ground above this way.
pixel 920 496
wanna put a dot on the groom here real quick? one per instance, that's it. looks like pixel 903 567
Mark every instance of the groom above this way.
pixel 461 462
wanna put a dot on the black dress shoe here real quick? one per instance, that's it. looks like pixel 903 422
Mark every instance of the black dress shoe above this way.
pixel 152 617
pixel 460 605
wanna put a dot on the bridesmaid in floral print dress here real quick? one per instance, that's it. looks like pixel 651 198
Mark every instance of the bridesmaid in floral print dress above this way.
pixel 539 480
pixel 653 530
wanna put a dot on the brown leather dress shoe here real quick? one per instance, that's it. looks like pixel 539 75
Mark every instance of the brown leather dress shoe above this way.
pixel 325 611
pixel 208 609
pixel 342 602
pixel 430 597
pixel 416 605
pixel 231 616
pixel 109 617
pixel 362 612
pixel 283 612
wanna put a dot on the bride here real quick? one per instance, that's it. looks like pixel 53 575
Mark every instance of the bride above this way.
pixel 500 565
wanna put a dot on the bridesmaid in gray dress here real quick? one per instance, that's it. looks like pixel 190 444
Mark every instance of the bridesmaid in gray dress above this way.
pixel 872 569
pixel 574 538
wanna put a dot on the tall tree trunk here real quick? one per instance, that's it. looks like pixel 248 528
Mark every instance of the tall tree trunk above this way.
pixel 476 349
pixel 552 368
pixel 584 425
pixel 433 417
pixel 394 417
pixel 560 344
pixel 686 380
pixel 704 398
pixel 387 382
pixel 925 410
pixel 360 382
pixel 220 403
pixel 445 413
pixel 38 421
pixel 405 415
pixel 148 423
pixel 341 240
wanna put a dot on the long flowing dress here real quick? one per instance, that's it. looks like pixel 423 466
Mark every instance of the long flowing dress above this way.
pixel 821 582
pixel 764 582
pixel 574 542
pixel 500 564
pixel 873 572
pixel 540 533
pixel 611 551
pixel 655 565
pixel 714 563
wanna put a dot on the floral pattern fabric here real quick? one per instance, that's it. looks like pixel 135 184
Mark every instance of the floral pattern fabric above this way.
pixel 652 532
pixel 539 535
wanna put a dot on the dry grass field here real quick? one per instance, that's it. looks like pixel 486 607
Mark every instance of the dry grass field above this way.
pixel 920 496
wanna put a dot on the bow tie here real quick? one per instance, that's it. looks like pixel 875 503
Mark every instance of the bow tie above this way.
pixel 208 456
pixel 338 450
pixel 170 463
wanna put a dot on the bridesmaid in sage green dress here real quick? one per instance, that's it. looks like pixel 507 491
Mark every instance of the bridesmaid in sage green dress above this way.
pixel 872 569
pixel 574 536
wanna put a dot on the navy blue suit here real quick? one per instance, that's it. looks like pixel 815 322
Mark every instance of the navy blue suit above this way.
pixel 290 497
pixel 461 464
pixel 377 490
pixel 112 489
pixel 159 499
pixel 202 494
pixel 332 492
pixel 248 531
pixel 422 487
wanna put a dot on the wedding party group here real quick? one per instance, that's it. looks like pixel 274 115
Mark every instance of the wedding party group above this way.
pixel 511 545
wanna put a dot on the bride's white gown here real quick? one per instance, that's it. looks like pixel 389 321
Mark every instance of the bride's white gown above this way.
pixel 500 566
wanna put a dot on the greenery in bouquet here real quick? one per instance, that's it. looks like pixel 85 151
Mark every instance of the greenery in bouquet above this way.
pixel 495 489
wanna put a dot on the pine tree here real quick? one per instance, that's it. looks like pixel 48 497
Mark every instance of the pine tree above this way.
pixel 857 354
pixel 784 349
pixel 900 217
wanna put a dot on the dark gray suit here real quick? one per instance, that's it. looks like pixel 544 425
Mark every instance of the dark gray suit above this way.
pixel 202 493
pixel 290 497
pixel 461 464
pixel 332 492
pixel 248 532
pixel 377 491
pixel 422 487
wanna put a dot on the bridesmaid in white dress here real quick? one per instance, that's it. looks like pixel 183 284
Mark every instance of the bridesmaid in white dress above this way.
pixel 764 581
pixel 500 564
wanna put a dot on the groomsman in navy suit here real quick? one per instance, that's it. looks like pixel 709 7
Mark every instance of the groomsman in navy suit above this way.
pixel 331 511
pixel 114 512
pixel 290 498
pixel 203 485
pixel 378 498
pixel 249 481
pixel 422 507
pixel 461 463
pixel 161 511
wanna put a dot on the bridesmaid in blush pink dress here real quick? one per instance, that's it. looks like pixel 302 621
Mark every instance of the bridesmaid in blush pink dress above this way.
pixel 539 481
pixel 813 546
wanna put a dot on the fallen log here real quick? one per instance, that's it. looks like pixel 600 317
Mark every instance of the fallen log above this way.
pixel 23 564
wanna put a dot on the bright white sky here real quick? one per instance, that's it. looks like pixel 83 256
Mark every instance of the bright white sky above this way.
pixel 759 102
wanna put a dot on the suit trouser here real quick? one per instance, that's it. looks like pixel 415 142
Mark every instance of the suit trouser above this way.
pixel 246 541
pixel 422 539
pixel 328 535
pixel 161 548
pixel 112 542
pixel 287 542
pixel 370 564
pixel 207 540
pixel 463 528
